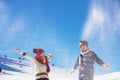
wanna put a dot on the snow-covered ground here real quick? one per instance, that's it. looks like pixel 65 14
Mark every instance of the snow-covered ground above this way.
pixel 27 72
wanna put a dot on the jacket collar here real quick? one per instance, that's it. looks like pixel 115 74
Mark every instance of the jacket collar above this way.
pixel 86 52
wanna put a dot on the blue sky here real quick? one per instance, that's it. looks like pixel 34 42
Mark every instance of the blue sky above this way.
pixel 58 26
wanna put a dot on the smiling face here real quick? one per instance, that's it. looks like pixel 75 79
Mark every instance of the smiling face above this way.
pixel 39 52
pixel 83 46
pixel 42 54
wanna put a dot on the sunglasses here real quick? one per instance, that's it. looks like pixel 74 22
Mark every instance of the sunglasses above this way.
pixel 81 44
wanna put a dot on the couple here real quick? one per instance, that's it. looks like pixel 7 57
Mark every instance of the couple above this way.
pixel 85 61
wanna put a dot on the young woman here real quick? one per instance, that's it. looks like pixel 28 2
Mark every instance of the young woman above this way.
pixel 40 62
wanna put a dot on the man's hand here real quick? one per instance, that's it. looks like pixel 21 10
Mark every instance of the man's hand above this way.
pixel 106 66
pixel 72 71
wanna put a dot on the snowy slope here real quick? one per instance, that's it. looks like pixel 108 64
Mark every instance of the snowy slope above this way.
pixel 27 72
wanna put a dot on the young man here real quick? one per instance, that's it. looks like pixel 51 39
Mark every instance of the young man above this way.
pixel 86 62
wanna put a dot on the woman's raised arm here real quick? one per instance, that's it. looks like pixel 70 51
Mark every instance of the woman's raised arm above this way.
pixel 24 54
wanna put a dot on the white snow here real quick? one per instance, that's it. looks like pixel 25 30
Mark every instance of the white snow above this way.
pixel 55 74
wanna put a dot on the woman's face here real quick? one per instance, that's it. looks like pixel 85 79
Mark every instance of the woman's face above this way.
pixel 42 54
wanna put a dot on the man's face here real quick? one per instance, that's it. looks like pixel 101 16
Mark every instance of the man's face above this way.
pixel 83 47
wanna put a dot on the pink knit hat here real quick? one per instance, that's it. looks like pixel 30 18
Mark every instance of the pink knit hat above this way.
pixel 38 51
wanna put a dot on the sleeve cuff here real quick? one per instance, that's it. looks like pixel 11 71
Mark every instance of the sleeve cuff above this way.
pixel 24 54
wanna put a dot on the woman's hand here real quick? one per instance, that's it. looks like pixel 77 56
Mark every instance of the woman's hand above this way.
pixel 16 50
pixel 49 57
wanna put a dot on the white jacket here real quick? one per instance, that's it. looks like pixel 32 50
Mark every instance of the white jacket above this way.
pixel 39 68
